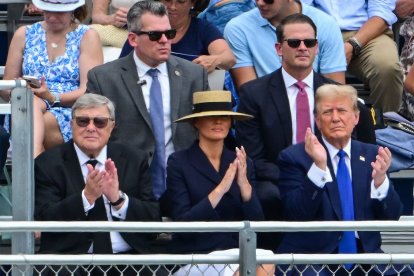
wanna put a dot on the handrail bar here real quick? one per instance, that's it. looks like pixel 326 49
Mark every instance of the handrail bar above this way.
pixel 150 259
pixel 154 227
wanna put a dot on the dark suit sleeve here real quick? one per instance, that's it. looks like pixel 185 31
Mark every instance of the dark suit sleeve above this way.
pixel 365 131
pixel 249 134
pixel 178 195
pixel 53 201
pixel 390 208
pixel 301 198
pixel 137 185
pixel 92 86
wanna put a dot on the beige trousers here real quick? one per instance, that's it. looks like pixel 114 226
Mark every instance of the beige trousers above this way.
pixel 378 66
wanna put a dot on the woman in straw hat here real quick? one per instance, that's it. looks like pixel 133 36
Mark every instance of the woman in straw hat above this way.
pixel 208 182
pixel 57 52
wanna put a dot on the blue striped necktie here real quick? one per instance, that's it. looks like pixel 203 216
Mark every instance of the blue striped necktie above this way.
pixel 157 120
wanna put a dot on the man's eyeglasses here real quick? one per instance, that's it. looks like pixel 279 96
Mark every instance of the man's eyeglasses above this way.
pixel 156 35
pixel 99 122
pixel 295 43
pixel 269 2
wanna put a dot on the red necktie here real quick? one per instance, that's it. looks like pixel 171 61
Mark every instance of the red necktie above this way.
pixel 302 112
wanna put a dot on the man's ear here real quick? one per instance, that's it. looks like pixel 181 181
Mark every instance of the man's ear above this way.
pixel 278 47
pixel 132 40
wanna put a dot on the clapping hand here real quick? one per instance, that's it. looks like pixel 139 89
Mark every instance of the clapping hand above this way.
pixel 381 165
pixel 315 150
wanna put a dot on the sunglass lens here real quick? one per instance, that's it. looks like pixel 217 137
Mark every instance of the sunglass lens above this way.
pixel 82 121
pixel 311 42
pixel 294 43
pixel 170 34
pixel 154 35
pixel 268 1
pixel 100 122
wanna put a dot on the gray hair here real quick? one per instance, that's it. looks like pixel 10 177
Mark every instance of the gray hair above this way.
pixel 337 90
pixel 90 100
pixel 139 9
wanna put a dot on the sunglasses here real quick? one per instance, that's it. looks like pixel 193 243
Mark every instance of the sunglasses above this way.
pixel 269 1
pixel 156 35
pixel 98 122
pixel 295 43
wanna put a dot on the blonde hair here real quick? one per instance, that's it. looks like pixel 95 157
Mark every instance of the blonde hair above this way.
pixel 336 90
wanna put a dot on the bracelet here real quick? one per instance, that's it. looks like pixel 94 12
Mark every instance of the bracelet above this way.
pixel 47 104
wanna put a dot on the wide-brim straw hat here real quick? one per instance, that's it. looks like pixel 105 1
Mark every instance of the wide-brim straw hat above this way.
pixel 58 5
pixel 213 103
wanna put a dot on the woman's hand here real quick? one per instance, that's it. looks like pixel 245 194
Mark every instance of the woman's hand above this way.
pixel 209 62
pixel 242 181
pixel 43 91
pixel 217 194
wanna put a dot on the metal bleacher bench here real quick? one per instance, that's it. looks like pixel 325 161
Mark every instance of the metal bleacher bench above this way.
pixel 398 242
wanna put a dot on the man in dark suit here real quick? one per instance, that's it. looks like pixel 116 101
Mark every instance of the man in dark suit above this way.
pixel 89 179
pixel 271 99
pixel 335 178
pixel 128 84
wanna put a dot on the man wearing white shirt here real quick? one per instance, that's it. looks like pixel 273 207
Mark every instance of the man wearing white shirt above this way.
pixel 335 178
pixel 89 179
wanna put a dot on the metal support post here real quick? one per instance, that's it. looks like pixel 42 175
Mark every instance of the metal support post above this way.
pixel 247 255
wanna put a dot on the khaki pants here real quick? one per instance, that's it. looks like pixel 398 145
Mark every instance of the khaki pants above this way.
pixel 378 66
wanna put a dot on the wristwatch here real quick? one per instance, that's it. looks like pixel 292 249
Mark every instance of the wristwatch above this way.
pixel 121 199
pixel 355 45
pixel 56 101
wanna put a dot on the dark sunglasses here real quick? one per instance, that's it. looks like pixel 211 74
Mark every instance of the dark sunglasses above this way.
pixel 295 43
pixel 269 1
pixel 99 122
pixel 156 35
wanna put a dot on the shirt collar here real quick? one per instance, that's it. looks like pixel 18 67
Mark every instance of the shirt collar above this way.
pixel 333 151
pixel 83 158
pixel 290 81
pixel 143 67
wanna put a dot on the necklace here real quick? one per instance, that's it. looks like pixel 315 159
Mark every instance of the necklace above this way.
pixel 54 45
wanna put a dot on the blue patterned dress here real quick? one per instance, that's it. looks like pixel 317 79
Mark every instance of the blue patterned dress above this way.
pixel 62 75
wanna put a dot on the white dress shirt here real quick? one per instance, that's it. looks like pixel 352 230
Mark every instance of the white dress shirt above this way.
pixel 292 92
pixel 118 243
pixel 164 80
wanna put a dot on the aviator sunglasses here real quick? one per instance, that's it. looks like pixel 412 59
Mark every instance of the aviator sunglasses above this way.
pixel 156 35
pixel 98 122
pixel 295 42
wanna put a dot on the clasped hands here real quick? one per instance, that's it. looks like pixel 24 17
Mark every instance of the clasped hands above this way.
pixel 103 182
pixel 319 156
pixel 237 170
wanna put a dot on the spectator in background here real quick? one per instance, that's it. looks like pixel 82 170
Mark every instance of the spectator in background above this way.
pixel 405 9
pixel 371 52
pixel 278 117
pixel 196 40
pixel 335 178
pixel 252 38
pixel 58 52
pixel 208 182
pixel 152 89
pixel 219 12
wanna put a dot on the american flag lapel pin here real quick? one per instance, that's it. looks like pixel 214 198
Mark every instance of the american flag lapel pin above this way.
pixel 362 158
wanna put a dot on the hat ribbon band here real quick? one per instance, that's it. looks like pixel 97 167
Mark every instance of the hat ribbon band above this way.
pixel 212 106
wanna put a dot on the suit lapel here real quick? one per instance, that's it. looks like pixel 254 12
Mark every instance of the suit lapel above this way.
pixel 201 164
pixel 130 79
pixel 71 163
pixel 115 154
pixel 280 99
pixel 175 75
pixel 359 167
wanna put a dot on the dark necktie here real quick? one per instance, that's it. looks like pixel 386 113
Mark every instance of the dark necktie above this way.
pixel 101 240
pixel 92 162
pixel 348 241
pixel 302 112
pixel 157 120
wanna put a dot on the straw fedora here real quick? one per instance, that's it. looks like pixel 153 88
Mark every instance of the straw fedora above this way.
pixel 58 5
pixel 213 103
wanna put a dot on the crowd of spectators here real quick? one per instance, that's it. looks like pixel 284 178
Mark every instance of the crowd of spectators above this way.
pixel 280 54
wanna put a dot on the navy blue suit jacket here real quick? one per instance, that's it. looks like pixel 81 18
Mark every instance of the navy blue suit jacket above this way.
pixel 304 201
pixel 190 179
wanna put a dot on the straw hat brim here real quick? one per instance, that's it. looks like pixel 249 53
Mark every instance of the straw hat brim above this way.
pixel 234 115
pixel 57 7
